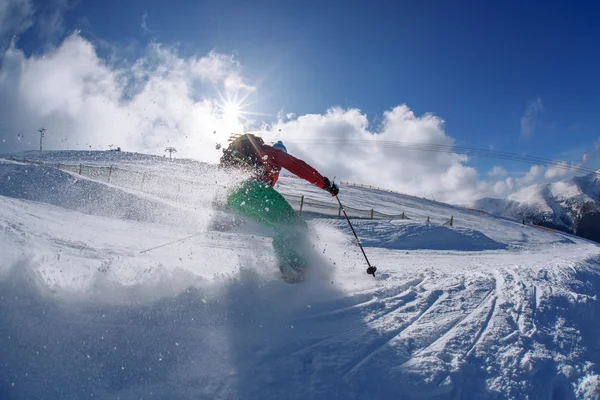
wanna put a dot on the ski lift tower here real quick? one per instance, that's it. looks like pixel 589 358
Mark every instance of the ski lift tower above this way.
pixel 41 131
pixel 171 150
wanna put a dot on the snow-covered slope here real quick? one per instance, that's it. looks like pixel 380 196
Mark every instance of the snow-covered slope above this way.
pixel 487 308
pixel 572 205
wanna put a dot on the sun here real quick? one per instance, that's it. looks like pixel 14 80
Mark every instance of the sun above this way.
pixel 232 115
pixel 231 112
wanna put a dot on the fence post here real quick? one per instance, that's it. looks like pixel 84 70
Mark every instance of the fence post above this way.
pixel 109 173
pixel 451 220
pixel 427 218
pixel 301 204
pixel 402 214
pixel 372 213
pixel 58 165
pixel 80 167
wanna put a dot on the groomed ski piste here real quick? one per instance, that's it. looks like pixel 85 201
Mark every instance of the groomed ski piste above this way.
pixel 486 308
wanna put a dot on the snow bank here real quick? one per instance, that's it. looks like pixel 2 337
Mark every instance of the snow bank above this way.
pixel 406 235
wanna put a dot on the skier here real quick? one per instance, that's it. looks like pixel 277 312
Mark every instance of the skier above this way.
pixel 256 199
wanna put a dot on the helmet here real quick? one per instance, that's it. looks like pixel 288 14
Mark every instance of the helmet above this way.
pixel 279 145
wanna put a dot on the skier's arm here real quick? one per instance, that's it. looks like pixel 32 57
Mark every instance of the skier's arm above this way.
pixel 293 164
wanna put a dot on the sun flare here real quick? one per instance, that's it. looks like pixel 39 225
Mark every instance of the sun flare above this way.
pixel 232 115
pixel 231 112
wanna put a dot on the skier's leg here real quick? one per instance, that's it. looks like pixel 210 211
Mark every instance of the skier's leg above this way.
pixel 290 240
pixel 261 203
pixel 291 244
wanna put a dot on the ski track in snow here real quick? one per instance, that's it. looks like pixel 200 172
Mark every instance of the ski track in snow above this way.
pixel 493 310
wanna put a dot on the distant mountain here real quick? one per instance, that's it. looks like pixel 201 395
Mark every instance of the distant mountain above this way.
pixel 571 205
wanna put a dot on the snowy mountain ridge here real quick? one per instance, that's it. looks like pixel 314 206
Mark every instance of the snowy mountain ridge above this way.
pixel 571 205
pixel 128 291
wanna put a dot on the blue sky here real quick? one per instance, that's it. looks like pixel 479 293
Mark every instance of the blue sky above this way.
pixel 503 75
pixel 476 66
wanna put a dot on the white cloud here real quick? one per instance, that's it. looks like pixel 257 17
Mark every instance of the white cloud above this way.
pixel 283 116
pixel 16 16
pixel 234 82
pixel 531 176
pixel 501 188
pixel 497 171
pixel 165 100
pixel 84 102
pixel 558 169
pixel 529 119
pixel 362 155
pixel 586 157
pixel 218 67
pixel 144 23
pixel 510 184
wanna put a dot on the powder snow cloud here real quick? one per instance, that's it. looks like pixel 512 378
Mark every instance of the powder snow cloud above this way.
pixel 86 103
pixel 16 16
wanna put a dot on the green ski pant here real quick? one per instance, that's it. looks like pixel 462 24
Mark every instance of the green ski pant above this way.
pixel 259 202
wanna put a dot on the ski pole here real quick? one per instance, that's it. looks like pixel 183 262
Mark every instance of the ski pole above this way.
pixel 173 242
pixel 372 269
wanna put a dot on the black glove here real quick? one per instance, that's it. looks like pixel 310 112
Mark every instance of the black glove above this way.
pixel 330 187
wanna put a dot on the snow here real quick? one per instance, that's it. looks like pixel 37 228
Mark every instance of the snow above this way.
pixel 487 308
pixel 567 205
pixel 533 194
pixel 565 189
pixel 408 235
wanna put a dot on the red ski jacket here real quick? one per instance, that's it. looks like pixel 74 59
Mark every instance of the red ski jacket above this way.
pixel 273 160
